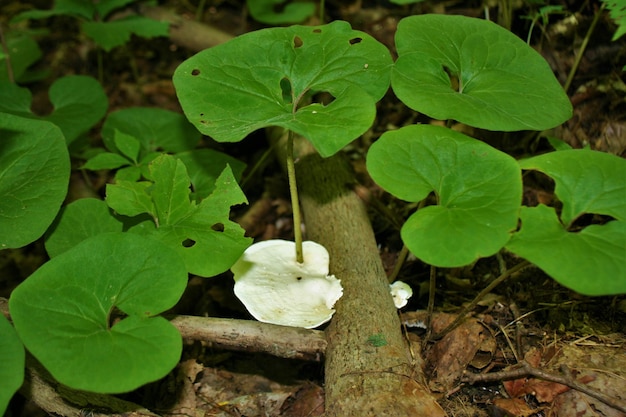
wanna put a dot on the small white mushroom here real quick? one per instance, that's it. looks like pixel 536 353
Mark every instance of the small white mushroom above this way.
pixel 276 289
pixel 401 292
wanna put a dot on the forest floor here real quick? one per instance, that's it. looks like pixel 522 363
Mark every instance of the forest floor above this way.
pixel 529 318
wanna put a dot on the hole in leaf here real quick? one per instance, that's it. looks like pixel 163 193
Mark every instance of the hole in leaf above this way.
pixel 299 278
pixel 297 42
pixel 187 243
pixel 454 79
pixel 588 219
pixel 323 98
pixel 218 227
pixel 317 30
pixel 354 41
pixel 195 72
pixel 285 86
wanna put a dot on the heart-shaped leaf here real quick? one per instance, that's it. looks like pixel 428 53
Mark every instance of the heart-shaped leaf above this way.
pixel 478 189
pixel 78 221
pixel 34 173
pixel 586 182
pixel 591 261
pixel 67 313
pixel 11 363
pixel 79 103
pixel 201 233
pixel 264 78
pixel 476 72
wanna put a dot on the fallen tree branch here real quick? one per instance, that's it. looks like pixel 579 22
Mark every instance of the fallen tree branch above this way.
pixel 526 369
pixel 368 368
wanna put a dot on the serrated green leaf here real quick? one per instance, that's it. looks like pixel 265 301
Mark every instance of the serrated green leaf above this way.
pixel 116 33
pixel 205 166
pixel 591 262
pixel 79 220
pixel 503 84
pixel 170 192
pixel 128 145
pixel 478 188
pixel 201 233
pixel 79 103
pixel 130 198
pixel 292 12
pixel 156 129
pixel 34 175
pixel 214 243
pixel 586 182
pixel 12 360
pixel 261 79
pixel 63 311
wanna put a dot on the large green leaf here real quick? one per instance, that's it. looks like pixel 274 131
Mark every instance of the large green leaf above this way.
pixel 478 188
pixel 78 221
pixel 586 182
pixel 65 313
pixel 476 72
pixel 34 174
pixel 156 129
pixel 591 261
pixel 263 78
pixel 23 52
pixel 79 103
pixel 201 233
pixel 11 363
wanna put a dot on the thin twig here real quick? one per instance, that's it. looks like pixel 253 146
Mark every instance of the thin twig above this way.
pixel 582 49
pixel 526 369
pixel 5 50
pixel 461 316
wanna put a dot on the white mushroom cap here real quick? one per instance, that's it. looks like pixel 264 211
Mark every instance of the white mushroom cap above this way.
pixel 401 292
pixel 276 289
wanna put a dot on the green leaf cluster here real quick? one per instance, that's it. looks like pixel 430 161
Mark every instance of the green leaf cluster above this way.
pixel 107 34
pixel 79 103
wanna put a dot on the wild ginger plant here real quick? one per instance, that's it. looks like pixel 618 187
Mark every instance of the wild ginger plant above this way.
pixel 475 72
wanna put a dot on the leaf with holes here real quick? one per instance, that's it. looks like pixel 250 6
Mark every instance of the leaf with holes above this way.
pixel 267 78
pixel 200 232
pixel 88 315
pixel 476 72
pixel 478 190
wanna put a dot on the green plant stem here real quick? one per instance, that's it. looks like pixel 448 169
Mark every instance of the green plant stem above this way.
pixel 479 297
pixel 295 201
pixel 583 47
pixel 322 11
